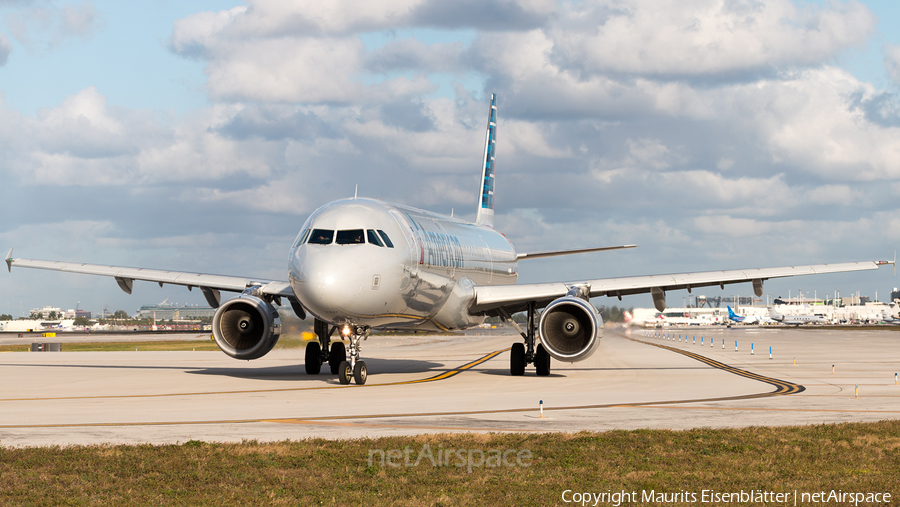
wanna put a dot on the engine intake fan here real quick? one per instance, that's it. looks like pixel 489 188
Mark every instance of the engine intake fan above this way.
pixel 570 329
pixel 246 327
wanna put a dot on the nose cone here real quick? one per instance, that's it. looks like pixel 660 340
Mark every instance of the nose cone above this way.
pixel 328 281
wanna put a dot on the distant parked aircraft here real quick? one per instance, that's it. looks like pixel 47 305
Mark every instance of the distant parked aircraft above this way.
pixel 888 318
pixel 748 319
pixel 796 320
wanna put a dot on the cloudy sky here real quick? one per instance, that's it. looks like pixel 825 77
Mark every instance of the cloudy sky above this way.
pixel 198 135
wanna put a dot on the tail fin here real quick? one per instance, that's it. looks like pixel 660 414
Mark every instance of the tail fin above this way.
pixel 730 311
pixel 485 213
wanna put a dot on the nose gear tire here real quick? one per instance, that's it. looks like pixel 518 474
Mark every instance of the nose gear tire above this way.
pixel 360 373
pixel 345 372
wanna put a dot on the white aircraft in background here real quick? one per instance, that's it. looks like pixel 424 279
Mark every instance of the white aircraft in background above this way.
pixel 887 318
pixel 796 320
pixel 363 264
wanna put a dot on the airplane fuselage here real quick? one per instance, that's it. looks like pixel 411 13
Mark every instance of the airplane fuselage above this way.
pixel 378 264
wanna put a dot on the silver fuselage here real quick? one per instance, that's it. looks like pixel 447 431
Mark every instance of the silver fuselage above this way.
pixel 425 280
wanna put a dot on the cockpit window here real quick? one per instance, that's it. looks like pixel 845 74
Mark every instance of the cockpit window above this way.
pixel 387 240
pixel 301 238
pixel 350 237
pixel 321 237
pixel 373 238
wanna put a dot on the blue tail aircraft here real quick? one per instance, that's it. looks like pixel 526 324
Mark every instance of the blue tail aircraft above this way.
pixel 742 319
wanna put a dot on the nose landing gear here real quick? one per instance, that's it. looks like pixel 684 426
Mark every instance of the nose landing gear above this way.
pixel 355 368
pixel 335 354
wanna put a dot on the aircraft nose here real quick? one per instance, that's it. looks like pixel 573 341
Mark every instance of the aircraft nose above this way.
pixel 326 282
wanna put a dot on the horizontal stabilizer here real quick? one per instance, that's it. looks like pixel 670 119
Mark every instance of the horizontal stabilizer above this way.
pixel 570 252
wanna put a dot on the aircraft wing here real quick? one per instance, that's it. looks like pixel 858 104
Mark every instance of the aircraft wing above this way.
pixel 554 253
pixel 125 277
pixel 490 297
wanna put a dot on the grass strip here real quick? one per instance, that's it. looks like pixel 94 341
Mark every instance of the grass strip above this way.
pixel 850 457
pixel 173 345
pixel 151 345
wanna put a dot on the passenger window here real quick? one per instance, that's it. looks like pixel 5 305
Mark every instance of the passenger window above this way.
pixel 387 240
pixel 373 238
pixel 321 237
pixel 350 237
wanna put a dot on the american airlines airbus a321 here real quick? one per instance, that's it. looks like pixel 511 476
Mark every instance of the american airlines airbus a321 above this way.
pixel 362 264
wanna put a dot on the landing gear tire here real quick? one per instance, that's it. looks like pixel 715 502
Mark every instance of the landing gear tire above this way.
pixel 542 361
pixel 345 372
pixel 360 373
pixel 517 360
pixel 336 356
pixel 313 359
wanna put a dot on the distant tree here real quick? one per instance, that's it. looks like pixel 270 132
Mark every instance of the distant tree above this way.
pixel 613 314
pixel 37 315
pixel 6 316
pixel 82 321
pixel 120 314
pixel 52 315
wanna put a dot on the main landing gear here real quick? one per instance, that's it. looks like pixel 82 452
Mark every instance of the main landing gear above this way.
pixel 523 354
pixel 335 354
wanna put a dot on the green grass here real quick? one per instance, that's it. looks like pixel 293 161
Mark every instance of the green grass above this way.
pixel 287 342
pixel 175 345
pixel 860 457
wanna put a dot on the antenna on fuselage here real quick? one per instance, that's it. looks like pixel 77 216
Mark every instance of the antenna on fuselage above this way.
pixel 355 191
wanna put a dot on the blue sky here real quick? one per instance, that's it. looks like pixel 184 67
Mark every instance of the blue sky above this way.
pixel 198 136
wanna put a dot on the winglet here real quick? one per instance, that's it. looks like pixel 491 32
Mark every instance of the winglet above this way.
pixel 9 261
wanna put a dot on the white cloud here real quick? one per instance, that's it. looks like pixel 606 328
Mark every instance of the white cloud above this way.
pixel 46 26
pixel 892 61
pixel 834 194
pixel 5 49
pixel 731 226
pixel 85 141
pixel 703 37
pixel 287 69
pixel 812 123
pixel 193 34
pixel 274 18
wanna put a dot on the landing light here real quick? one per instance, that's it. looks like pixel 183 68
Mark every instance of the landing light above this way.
pixel 345 331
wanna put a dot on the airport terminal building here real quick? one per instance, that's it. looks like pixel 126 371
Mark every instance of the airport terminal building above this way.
pixel 168 311
pixel 871 312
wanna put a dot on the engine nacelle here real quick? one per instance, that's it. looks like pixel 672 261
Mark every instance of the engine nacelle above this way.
pixel 246 327
pixel 570 329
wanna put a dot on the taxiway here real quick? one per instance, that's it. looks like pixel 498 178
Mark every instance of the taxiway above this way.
pixel 420 384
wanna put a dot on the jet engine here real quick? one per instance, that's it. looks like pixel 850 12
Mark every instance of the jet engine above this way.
pixel 570 329
pixel 246 327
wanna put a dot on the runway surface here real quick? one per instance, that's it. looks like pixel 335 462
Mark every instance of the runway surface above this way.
pixel 449 384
